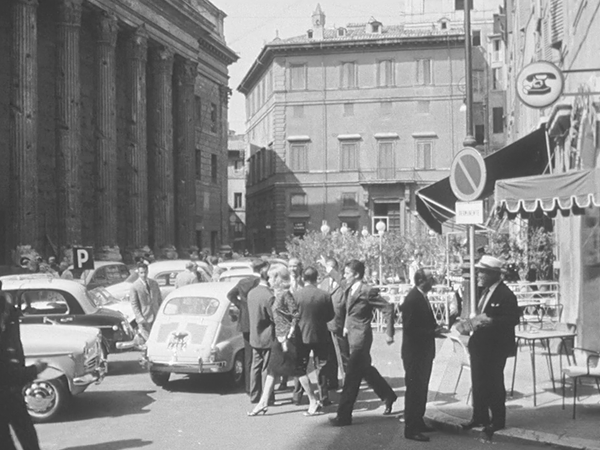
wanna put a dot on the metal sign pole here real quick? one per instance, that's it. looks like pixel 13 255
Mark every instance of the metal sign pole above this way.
pixel 472 281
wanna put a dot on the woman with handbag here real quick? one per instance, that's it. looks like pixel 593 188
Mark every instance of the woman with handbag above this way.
pixel 284 360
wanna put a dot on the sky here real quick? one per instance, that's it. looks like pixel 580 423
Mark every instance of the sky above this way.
pixel 252 23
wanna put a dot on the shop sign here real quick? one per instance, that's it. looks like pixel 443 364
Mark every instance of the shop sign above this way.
pixel 540 84
pixel 469 213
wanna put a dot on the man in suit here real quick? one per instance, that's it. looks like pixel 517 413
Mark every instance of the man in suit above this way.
pixel 491 343
pixel 145 299
pixel 338 352
pixel 315 309
pixel 239 297
pixel 418 350
pixel 262 332
pixel 360 300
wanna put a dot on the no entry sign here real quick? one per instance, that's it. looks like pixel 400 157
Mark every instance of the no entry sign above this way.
pixel 468 174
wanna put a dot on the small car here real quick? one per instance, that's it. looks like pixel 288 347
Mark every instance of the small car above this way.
pixel 66 302
pixel 105 273
pixel 75 361
pixel 196 332
pixel 235 275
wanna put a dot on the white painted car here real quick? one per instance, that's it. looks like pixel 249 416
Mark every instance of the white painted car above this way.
pixel 196 332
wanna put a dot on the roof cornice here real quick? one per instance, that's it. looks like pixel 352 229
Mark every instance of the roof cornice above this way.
pixel 274 49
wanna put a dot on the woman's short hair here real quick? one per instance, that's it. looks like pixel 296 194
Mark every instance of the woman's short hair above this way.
pixel 283 275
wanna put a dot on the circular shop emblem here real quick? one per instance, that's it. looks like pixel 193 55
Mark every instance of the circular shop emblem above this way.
pixel 540 84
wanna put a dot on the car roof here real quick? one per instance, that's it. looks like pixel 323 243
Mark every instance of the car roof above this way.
pixel 213 289
pixel 238 272
pixel 173 264
pixel 98 264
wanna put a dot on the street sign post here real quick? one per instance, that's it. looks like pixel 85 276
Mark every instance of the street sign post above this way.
pixel 83 258
pixel 468 176
pixel 469 213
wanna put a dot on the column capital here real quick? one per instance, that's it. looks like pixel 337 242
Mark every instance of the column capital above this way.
pixel 138 43
pixel 187 70
pixel 224 93
pixel 106 28
pixel 69 12
pixel 162 57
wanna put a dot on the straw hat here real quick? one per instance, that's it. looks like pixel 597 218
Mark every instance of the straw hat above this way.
pixel 490 263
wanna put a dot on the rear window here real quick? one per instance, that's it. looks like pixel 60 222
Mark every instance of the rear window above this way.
pixel 191 306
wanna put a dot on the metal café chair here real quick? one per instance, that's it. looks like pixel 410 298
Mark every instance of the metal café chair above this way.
pixel 591 369
pixel 461 352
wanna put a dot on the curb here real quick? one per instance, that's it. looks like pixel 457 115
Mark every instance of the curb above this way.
pixel 451 424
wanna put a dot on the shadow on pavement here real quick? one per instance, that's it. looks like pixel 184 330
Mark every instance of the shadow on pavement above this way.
pixel 203 384
pixel 92 405
pixel 113 445
pixel 128 367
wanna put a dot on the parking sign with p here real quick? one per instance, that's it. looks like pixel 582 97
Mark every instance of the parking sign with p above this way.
pixel 83 258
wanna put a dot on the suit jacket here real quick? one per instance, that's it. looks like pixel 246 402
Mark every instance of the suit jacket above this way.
pixel 145 302
pixel 418 325
pixel 260 313
pixel 239 297
pixel 316 310
pixel 499 336
pixel 359 314
pixel 333 287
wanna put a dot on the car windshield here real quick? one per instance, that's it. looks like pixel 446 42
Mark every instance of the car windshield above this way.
pixel 101 297
pixel 192 306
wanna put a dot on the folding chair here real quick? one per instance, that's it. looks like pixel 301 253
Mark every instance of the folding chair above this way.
pixel 590 369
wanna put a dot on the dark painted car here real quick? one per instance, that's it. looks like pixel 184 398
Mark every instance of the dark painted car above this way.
pixel 66 302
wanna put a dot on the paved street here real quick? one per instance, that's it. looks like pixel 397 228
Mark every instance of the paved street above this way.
pixel 127 411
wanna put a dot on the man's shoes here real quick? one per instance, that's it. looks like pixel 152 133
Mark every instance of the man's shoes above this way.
pixel 339 422
pixel 388 406
pixel 489 430
pixel 427 429
pixel 472 424
pixel 326 402
pixel 417 437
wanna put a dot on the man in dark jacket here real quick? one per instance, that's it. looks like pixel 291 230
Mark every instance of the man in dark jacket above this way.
pixel 360 300
pixel 418 351
pixel 491 343
pixel 315 308
pixel 262 332
pixel 13 377
pixel 239 297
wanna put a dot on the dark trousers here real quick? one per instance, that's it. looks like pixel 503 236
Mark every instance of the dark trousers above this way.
pixel 359 368
pixel 258 372
pixel 13 411
pixel 247 361
pixel 489 393
pixel 417 373
pixel 337 353
pixel 320 355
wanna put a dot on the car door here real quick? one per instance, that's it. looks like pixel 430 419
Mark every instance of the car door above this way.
pixel 48 306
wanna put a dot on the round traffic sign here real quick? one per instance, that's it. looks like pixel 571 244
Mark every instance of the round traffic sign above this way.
pixel 540 84
pixel 468 174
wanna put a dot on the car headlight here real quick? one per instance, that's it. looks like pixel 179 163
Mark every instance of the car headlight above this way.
pixel 214 354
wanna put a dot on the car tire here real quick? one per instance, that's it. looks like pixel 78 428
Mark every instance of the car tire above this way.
pixel 46 399
pixel 160 378
pixel 236 374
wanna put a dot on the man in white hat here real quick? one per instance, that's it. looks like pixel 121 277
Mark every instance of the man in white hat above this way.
pixel 492 342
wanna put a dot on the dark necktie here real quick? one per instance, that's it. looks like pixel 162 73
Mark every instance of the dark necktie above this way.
pixel 482 300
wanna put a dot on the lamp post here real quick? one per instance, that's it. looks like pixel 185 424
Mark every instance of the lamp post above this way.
pixel 344 228
pixel 325 228
pixel 380 230
pixel 364 232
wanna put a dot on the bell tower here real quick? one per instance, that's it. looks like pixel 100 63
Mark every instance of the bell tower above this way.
pixel 318 23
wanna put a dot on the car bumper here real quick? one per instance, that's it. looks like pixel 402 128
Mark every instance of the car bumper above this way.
pixel 176 367
pixel 125 345
pixel 95 376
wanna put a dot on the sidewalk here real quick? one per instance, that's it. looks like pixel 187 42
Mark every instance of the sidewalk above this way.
pixel 545 423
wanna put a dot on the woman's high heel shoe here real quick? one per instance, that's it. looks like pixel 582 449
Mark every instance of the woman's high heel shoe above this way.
pixel 314 409
pixel 256 412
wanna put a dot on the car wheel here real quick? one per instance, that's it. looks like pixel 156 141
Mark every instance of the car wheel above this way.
pixel 160 378
pixel 45 399
pixel 236 374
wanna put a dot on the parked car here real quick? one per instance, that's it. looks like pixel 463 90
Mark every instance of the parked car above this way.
pixel 247 263
pixel 75 361
pixel 236 275
pixel 164 272
pixel 104 274
pixel 196 332
pixel 54 300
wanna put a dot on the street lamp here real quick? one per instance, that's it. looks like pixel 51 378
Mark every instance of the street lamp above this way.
pixel 344 228
pixel 364 232
pixel 380 230
pixel 325 228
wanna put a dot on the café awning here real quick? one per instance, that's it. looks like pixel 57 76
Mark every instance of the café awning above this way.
pixel 525 157
pixel 567 193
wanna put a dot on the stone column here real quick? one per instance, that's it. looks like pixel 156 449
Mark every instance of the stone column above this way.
pixel 23 124
pixel 160 152
pixel 185 154
pixel 106 138
pixel 68 122
pixel 136 151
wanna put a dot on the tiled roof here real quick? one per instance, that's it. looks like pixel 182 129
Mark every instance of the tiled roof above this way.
pixel 357 32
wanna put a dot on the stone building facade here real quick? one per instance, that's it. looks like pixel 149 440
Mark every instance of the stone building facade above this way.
pixel 345 124
pixel 112 126
pixel 236 188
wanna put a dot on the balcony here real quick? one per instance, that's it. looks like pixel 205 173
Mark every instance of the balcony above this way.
pixel 404 175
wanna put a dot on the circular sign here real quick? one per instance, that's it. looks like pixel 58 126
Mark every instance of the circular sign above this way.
pixel 540 84
pixel 468 174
